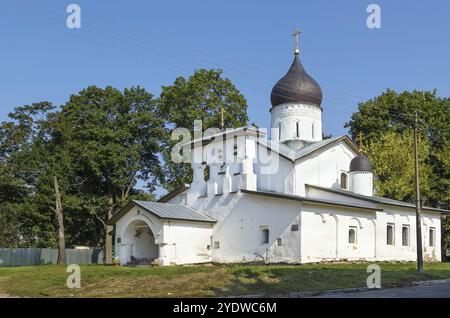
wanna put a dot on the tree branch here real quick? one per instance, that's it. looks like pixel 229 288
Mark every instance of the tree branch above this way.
pixel 103 222
pixel 129 186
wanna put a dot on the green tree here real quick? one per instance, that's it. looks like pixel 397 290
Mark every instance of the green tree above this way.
pixel 202 96
pixel 379 119
pixel 12 194
pixel 114 141
pixel 21 164
pixel 393 165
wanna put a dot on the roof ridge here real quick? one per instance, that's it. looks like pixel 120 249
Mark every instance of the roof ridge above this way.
pixel 382 200
pixel 193 210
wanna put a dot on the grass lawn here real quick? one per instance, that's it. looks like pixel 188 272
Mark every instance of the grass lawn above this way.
pixel 204 280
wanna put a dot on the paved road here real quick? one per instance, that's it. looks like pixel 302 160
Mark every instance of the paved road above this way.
pixel 426 291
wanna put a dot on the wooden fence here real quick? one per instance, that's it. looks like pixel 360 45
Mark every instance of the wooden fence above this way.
pixel 10 257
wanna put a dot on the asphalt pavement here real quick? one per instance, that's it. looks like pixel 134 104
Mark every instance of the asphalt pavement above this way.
pixel 438 290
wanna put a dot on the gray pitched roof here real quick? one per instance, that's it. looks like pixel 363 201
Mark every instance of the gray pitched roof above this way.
pixel 308 199
pixel 174 193
pixel 169 211
pixel 293 155
pixel 375 199
pixel 278 147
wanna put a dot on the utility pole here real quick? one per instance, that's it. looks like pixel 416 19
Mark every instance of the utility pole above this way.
pixel 418 205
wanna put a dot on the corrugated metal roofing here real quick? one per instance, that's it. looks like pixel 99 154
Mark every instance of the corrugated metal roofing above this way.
pixel 174 193
pixel 293 154
pixel 374 198
pixel 308 199
pixel 315 146
pixel 173 211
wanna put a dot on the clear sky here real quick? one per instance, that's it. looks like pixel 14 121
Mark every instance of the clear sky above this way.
pixel 150 43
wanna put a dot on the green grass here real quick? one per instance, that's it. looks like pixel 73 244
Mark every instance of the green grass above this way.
pixel 205 280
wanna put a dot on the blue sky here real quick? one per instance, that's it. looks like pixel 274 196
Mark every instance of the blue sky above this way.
pixel 150 43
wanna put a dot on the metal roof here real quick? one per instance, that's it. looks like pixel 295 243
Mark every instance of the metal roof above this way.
pixel 360 163
pixel 293 155
pixel 174 193
pixel 169 211
pixel 296 86
pixel 375 199
pixel 174 211
pixel 309 200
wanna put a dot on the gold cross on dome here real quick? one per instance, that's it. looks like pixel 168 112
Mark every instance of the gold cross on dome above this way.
pixel 296 33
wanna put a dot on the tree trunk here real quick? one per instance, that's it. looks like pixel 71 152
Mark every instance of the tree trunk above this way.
pixel 60 218
pixel 108 229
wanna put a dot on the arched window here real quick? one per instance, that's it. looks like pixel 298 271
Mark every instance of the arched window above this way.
pixel 405 235
pixel 390 234
pixel 343 180
pixel 431 236
pixel 297 129
pixel 279 131
pixel 352 235
pixel 265 236
pixel 206 174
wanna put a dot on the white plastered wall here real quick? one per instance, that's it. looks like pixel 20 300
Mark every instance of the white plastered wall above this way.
pixel 179 241
pixel 309 118
pixel 323 168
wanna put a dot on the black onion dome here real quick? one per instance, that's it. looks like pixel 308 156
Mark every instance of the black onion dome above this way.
pixel 296 86
pixel 360 163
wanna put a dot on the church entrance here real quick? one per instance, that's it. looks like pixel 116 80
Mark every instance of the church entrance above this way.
pixel 140 244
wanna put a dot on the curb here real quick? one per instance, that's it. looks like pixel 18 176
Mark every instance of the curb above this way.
pixel 365 289
pixel 341 291
pixel 431 282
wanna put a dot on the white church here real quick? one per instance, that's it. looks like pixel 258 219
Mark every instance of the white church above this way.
pixel 292 197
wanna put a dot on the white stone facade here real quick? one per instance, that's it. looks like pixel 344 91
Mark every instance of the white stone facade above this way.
pixel 167 242
pixel 291 199
pixel 299 203
pixel 296 121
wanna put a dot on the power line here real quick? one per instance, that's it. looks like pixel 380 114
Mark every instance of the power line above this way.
pixel 137 43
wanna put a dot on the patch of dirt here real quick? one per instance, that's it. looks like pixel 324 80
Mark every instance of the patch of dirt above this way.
pixel 7 296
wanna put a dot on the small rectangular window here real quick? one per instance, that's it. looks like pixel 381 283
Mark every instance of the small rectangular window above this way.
pixel 390 234
pixel 279 241
pixel 432 236
pixel 343 180
pixel 294 227
pixel 405 235
pixel 216 244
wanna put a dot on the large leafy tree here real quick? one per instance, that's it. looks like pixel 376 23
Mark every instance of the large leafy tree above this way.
pixel 93 151
pixel 22 160
pixel 13 193
pixel 394 165
pixel 385 123
pixel 202 96
pixel 113 138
